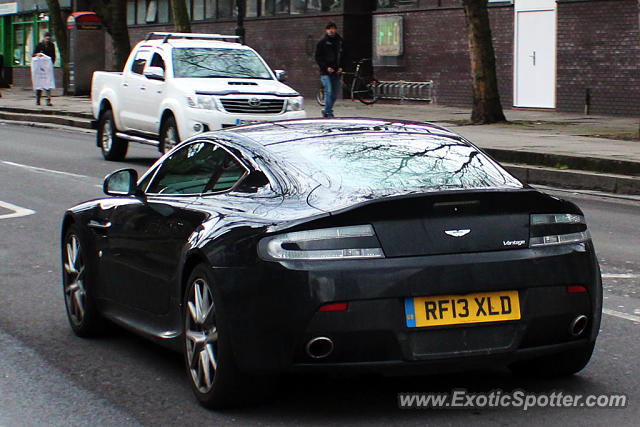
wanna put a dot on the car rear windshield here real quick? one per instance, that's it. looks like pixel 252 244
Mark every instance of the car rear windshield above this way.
pixel 218 62
pixel 381 162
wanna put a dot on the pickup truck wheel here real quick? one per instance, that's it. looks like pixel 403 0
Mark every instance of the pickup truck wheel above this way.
pixel 113 148
pixel 169 136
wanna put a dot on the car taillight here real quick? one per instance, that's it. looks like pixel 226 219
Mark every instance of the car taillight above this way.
pixel 352 242
pixel 557 229
pixel 338 306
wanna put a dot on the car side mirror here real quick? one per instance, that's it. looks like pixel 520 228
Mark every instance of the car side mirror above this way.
pixel 281 75
pixel 154 73
pixel 122 182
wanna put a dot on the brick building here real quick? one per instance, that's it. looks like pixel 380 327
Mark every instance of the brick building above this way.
pixel 549 53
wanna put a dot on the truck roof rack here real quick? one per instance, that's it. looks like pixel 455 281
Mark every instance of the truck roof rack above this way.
pixel 167 36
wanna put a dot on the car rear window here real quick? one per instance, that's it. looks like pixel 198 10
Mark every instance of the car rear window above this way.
pixel 391 161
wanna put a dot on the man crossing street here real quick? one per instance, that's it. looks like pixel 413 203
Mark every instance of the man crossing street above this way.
pixel 329 57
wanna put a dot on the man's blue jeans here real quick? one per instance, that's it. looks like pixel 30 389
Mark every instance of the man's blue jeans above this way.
pixel 331 86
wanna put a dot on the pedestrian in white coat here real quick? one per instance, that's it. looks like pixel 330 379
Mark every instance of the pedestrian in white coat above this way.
pixel 42 75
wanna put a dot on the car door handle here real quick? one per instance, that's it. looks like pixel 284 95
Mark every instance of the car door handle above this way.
pixel 99 225
pixel 143 88
pixel 125 84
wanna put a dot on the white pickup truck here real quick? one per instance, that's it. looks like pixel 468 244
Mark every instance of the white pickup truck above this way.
pixel 183 84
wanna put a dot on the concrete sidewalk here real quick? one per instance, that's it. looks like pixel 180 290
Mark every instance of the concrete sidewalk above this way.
pixel 542 147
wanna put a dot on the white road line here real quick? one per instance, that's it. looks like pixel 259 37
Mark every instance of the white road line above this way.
pixel 17 210
pixel 620 276
pixel 37 169
pixel 621 315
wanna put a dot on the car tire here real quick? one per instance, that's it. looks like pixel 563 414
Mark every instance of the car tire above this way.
pixel 169 136
pixel 113 148
pixel 77 278
pixel 213 373
pixel 555 365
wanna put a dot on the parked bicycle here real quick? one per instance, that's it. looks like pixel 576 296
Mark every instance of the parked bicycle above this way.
pixel 360 84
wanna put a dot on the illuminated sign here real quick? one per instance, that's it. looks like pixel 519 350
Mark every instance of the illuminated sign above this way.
pixel 388 35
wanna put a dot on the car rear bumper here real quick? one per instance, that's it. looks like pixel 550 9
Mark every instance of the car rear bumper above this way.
pixel 273 309
pixel 457 363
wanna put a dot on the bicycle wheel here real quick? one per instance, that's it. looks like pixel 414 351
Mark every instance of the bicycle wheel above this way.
pixel 364 90
pixel 320 96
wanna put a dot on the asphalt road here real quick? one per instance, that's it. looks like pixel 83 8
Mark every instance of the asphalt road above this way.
pixel 47 375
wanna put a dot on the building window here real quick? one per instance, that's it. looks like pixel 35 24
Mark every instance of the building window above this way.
pixel 210 9
pixel 383 4
pixel 198 10
pixel 252 8
pixel 22 43
pixel 141 12
pixel 28 30
pixel 152 12
pixel 314 5
pixel 282 7
pixel 163 11
pixel 225 8
pixel 298 6
pixel 131 12
pixel 268 7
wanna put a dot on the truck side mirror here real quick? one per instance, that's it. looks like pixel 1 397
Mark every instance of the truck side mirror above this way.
pixel 281 75
pixel 154 73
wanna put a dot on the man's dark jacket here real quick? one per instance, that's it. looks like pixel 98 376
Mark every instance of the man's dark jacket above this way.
pixel 48 49
pixel 329 53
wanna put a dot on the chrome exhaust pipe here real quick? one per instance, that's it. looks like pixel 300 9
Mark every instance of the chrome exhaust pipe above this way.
pixel 319 347
pixel 578 325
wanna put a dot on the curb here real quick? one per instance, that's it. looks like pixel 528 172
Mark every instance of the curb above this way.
pixel 576 179
pixel 47 111
pixel 594 164
pixel 44 117
pixel 585 173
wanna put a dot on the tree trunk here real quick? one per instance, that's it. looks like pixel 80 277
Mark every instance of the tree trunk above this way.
pixel 113 14
pixel 241 7
pixel 180 16
pixel 486 99
pixel 59 29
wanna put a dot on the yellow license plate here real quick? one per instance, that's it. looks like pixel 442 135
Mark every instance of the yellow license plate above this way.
pixel 462 309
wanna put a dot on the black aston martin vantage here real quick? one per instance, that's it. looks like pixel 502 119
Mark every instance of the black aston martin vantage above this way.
pixel 334 245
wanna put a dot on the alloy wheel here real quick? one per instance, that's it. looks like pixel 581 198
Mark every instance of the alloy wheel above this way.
pixel 107 136
pixel 201 336
pixel 74 289
pixel 170 139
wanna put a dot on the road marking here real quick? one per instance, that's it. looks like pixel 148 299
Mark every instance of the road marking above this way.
pixel 621 315
pixel 17 210
pixel 37 169
pixel 620 276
